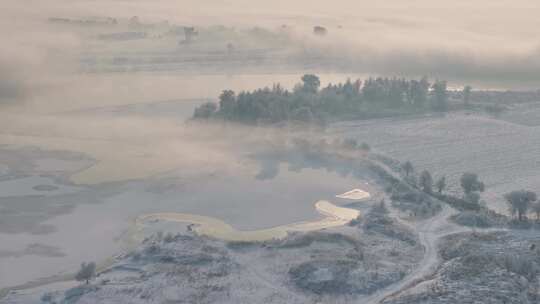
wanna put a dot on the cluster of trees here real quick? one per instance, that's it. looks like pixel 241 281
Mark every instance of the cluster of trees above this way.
pixel 309 102
pixel 470 184
pixel 425 181
pixel 520 202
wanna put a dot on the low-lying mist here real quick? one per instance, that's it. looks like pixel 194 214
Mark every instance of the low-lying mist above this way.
pixel 482 42
pixel 42 82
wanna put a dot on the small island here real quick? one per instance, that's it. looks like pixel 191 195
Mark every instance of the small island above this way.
pixel 307 102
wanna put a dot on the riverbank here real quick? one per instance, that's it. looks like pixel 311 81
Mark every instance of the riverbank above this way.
pixel 334 216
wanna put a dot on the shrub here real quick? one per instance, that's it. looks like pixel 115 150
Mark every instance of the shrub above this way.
pixel 87 272
pixel 495 109
pixel 473 219
pixel 458 203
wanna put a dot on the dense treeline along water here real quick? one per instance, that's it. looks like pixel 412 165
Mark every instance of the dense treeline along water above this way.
pixel 372 98
pixel 375 97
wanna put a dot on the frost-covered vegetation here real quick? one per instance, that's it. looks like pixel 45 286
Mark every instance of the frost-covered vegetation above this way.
pixel 303 268
pixel 482 268
pixel 523 205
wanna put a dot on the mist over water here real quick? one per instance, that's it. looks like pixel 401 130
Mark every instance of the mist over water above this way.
pixel 486 43
pixel 93 126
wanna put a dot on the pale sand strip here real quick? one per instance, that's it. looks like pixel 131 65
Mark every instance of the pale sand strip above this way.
pixel 355 194
pixel 334 217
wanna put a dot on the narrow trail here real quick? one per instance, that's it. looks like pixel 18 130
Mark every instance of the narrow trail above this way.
pixel 430 231
pixel 254 270
pixel 428 235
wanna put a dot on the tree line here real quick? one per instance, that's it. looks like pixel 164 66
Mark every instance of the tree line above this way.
pixel 520 203
pixel 310 103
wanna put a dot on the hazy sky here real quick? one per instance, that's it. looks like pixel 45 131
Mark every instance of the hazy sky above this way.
pixel 496 42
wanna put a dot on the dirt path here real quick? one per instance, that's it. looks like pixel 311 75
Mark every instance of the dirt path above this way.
pixel 430 231
pixel 428 234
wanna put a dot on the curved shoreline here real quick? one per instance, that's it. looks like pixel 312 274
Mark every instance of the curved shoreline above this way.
pixel 334 216
pixel 208 226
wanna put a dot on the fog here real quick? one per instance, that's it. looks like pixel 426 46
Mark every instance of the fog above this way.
pixel 41 81
pixel 95 127
pixel 488 43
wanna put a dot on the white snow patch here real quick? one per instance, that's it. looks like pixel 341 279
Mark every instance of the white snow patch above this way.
pixel 355 194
